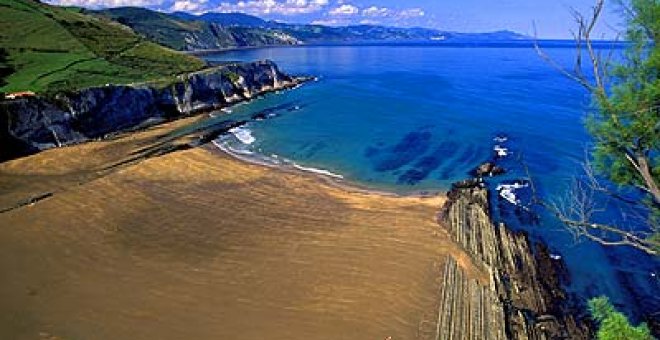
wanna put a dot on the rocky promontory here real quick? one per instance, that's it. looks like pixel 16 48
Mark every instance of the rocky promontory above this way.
pixel 29 125
pixel 523 298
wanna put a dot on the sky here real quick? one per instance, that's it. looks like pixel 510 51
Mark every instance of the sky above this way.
pixel 551 18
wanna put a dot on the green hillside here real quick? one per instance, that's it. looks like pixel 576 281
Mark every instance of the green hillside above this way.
pixel 50 48
pixel 156 26
pixel 189 32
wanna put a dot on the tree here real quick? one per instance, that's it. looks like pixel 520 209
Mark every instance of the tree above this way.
pixel 612 325
pixel 625 125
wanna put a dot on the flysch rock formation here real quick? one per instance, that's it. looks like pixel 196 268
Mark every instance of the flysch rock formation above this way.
pixel 523 298
pixel 29 125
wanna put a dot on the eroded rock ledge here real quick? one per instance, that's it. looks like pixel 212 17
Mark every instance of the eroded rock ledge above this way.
pixel 29 125
pixel 524 298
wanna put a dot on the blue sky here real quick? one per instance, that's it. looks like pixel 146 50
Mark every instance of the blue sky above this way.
pixel 552 17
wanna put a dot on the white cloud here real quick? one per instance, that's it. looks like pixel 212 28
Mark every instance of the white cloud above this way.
pixel 411 13
pixel 195 6
pixel 105 3
pixel 344 10
pixel 265 7
pixel 384 12
pixel 374 11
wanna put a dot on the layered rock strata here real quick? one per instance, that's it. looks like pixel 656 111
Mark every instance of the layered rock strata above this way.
pixel 523 298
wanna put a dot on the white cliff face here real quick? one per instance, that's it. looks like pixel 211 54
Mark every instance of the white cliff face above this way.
pixel 34 124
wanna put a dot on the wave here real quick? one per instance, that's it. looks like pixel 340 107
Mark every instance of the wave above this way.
pixel 501 151
pixel 243 134
pixel 273 159
pixel 317 171
pixel 507 191
pixel 222 145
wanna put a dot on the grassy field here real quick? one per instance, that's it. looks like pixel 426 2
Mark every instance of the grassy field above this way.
pixel 53 49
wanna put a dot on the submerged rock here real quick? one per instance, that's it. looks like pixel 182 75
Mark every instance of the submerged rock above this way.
pixel 489 169
pixel 28 125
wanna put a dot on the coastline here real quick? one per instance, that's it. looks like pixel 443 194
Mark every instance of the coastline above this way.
pixel 33 124
pixel 229 239
pixel 328 178
pixel 239 48
pixel 183 197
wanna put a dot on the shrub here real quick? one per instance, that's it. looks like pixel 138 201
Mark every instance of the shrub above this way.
pixel 613 325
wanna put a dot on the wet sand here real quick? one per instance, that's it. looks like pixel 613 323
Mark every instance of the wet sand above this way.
pixel 198 245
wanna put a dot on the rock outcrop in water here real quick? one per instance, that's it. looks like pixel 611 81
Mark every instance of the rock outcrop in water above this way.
pixel 29 125
pixel 523 298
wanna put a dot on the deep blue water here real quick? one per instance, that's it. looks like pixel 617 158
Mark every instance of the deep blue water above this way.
pixel 419 117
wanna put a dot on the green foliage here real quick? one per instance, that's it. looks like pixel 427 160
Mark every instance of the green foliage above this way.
pixel 614 325
pixel 190 33
pixel 626 123
pixel 5 67
pixel 51 49
pixel 155 26
pixel 233 76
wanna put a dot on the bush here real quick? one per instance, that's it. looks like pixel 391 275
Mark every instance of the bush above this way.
pixel 613 325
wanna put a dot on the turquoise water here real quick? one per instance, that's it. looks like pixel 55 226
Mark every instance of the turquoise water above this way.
pixel 419 117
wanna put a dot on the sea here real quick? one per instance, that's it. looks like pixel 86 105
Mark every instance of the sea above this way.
pixel 416 117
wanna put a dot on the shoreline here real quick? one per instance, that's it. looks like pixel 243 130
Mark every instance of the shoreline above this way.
pixel 340 183
pixel 238 48
pixel 205 189
pixel 225 238
pixel 34 119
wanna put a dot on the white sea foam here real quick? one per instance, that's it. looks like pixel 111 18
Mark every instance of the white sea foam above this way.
pixel 501 151
pixel 228 149
pixel 500 139
pixel 317 171
pixel 507 191
pixel 243 134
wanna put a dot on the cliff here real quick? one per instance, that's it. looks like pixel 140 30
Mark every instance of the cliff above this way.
pixel 29 125
pixel 523 298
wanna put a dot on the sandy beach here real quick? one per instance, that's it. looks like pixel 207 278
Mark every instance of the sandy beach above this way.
pixel 197 244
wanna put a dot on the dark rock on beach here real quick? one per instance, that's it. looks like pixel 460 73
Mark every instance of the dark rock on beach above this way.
pixel 29 125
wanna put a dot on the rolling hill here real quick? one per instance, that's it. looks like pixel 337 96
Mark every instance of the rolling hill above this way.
pixel 47 48
pixel 188 32
pixel 226 19
pixel 184 31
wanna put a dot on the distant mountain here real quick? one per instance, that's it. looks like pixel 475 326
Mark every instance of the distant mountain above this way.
pixel 356 33
pixel 225 19
pixel 489 36
pixel 184 31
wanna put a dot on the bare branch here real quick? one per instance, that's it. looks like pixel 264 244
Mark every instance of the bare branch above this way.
pixel 580 205
pixel 575 76
pixel 578 208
